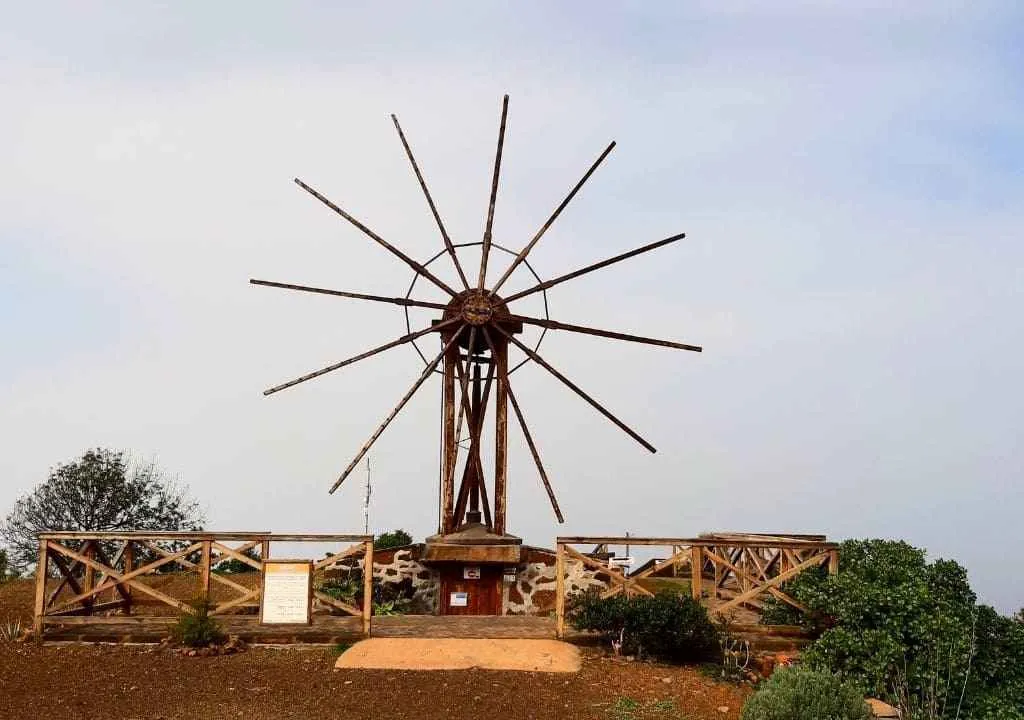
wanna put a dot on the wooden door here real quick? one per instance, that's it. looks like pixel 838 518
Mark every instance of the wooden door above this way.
pixel 482 596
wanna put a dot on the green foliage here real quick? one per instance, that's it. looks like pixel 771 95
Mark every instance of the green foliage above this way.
pixel 909 631
pixel 393 539
pixel 198 628
pixel 6 572
pixel 102 490
pixel 626 708
pixel 387 598
pixel 669 626
pixel 797 693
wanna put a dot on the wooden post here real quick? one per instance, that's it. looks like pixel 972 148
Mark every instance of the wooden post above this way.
pixel 718 579
pixel 367 586
pixel 560 591
pixel 501 438
pixel 90 576
pixel 42 568
pixel 448 522
pixel 129 565
pixel 696 572
pixel 833 562
pixel 204 572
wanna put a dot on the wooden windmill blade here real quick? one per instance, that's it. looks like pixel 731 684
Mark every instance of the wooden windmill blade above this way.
pixel 477 328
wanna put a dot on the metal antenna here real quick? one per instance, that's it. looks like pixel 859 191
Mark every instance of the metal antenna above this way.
pixel 366 500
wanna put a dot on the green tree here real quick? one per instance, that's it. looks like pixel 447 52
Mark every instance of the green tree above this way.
pixel 395 538
pixel 102 490
pixel 910 631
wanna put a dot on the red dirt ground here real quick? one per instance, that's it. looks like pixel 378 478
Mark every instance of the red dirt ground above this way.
pixel 136 682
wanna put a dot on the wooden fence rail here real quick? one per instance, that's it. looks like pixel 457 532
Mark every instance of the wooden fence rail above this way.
pixel 727 571
pixel 98 577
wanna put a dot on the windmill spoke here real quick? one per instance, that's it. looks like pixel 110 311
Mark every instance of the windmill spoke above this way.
pixel 357 296
pixel 558 211
pixel 529 438
pixel 387 421
pixel 596 405
pixel 486 249
pixel 378 239
pixel 548 284
pixel 555 325
pixel 362 356
pixel 430 202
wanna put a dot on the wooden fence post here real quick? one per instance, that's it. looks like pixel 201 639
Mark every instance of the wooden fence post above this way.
pixel 560 591
pixel 833 562
pixel 42 569
pixel 367 586
pixel 89 579
pixel 696 572
pixel 204 572
pixel 129 565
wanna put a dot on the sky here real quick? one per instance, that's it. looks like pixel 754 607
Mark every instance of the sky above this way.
pixel 848 175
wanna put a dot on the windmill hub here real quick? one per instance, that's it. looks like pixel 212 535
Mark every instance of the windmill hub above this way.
pixel 477 307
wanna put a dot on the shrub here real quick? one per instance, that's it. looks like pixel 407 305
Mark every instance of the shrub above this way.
pixel 910 632
pixel 797 693
pixel 197 628
pixel 668 625
pixel 395 538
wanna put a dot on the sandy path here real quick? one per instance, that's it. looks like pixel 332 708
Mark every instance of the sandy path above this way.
pixel 460 654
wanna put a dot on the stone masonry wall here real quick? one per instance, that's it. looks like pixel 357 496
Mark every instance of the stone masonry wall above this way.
pixel 402 564
pixel 533 593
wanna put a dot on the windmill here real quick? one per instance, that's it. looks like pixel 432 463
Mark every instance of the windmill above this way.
pixel 477 327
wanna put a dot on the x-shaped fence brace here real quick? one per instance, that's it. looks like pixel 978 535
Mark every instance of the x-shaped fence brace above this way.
pixel 746 566
pixel 86 571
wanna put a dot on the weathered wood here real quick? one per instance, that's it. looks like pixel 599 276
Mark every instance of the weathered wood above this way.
pixel 338 556
pixel 129 566
pixel 485 251
pixel 699 541
pixel 42 569
pixel 748 581
pixel 67 578
pixel 146 535
pixel 367 587
pixel 335 603
pixel 450 445
pixel 430 201
pixel 696 572
pixel 833 562
pixel 250 595
pixel 204 573
pixel 128 577
pixel 628 584
pixel 777 580
pixel 521 257
pixel 239 553
pixel 501 440
pixel 98 607
pixel 560 591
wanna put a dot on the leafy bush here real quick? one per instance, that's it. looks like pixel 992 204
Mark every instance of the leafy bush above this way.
pixel 910 631
pixel 393 539
pixel 797 693
pixel 668 625
pixel 197 628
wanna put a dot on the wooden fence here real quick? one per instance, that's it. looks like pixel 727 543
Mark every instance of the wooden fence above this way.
pixel 95 578
pixel 727 571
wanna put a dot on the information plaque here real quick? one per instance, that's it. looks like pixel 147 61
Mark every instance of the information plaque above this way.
pixel 287 592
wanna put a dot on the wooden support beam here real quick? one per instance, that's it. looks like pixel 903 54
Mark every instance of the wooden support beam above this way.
pixel 204 573
pixel 697 572
pixel 833 562
pixel 775 581
pixel 367 587
pixel 748 581
pixel 42 568
pixel 560 591
pixel 501 440
pixel 628 584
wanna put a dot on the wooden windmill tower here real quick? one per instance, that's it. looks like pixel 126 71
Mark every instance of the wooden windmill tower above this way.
pixel 477 329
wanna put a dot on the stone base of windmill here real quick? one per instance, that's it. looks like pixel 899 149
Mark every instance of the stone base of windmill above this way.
pixel 498 574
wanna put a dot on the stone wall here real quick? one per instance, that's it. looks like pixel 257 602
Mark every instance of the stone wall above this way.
pixel 400 565
pixel 533 593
